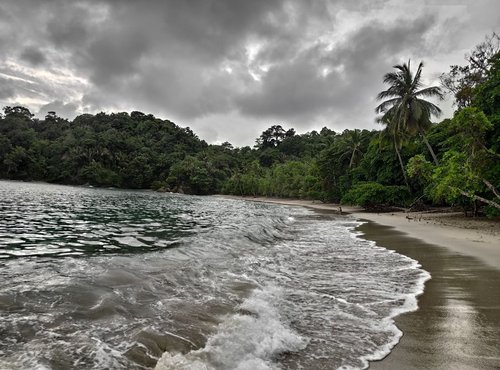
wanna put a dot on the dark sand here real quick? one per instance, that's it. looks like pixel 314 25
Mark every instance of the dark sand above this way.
pixel 457 325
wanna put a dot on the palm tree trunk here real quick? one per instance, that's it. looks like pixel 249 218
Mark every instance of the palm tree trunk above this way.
pixel 351 162
pixel 436 162
pixel 401 164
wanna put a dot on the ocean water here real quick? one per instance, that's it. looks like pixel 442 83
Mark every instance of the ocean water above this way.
pixel 112 279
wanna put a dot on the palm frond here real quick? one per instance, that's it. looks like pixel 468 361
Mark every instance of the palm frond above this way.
pixel 433 109
pixel 384 106
pixel 416 82
pixel 431 92
pixel 403 107
pixel 392 77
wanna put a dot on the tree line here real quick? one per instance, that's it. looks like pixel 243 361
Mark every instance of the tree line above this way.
pixel 411 161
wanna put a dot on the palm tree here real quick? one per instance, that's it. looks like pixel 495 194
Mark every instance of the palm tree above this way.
pixel 396 138
pixel 404 104
pixel 354 141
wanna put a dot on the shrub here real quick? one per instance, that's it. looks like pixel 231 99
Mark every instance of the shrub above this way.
pixel 374 195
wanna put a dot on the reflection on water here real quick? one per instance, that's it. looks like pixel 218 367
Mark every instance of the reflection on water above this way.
pixel 74 221
pixel 458 323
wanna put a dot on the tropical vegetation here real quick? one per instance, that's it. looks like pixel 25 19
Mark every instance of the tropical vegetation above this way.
pixel 411 162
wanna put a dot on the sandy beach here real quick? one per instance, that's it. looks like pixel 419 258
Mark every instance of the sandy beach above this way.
pixel 457 325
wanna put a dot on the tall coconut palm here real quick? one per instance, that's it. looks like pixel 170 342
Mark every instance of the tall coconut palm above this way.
pixel 396 138
pixel 354 142
pixel 404 104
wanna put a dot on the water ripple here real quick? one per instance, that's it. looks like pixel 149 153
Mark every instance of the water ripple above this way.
pixel 84 221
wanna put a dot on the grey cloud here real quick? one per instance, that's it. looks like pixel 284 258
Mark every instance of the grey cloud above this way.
pixel 15 84
pixel 377 43
pixel 64 110
pixel 6 88
pixel 373 50
pixel 114 55
pixel 68 29
pixel 288 90
pixel 167 54
pixel 179 91
pixel 187 60
pixel 33 56
pixel 213 27
pixel 298 91
pixel 203 31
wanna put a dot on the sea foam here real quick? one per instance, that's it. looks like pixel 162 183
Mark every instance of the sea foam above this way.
pixel 247 340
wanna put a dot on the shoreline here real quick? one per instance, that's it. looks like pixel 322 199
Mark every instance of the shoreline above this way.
pixel 478 238
pixel 457 323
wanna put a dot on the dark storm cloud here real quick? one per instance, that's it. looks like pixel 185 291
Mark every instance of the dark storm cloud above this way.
pixel 376 41
pixel 299 90
pixel 290 89
pixel 67 25
pixel 115 54
pixel 204 31
pixel 33 56
pixel 221 63
pixel 211 28
pixel 163 54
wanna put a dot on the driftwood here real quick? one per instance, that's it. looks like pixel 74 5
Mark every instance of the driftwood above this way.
pixel 415 202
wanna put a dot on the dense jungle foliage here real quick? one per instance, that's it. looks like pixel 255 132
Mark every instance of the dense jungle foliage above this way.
pixel 410 161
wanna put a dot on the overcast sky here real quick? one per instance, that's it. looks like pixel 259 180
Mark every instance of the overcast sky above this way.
pixel 229 68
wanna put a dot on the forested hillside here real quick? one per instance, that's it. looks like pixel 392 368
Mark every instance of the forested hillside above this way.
pixel 410 161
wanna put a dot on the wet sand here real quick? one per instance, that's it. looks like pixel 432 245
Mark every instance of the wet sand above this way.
pixel 479 237
pixel 457 325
